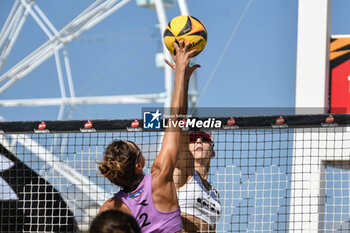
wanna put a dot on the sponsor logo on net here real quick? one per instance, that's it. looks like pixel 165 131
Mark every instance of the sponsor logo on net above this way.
pixel 153 120
pixel 231 124
pixel 135 126
pixel 279 123
pixel 88 128
pixel 329 122
pixel 41 128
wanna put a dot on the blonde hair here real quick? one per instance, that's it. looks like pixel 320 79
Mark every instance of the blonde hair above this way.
pixel 119 159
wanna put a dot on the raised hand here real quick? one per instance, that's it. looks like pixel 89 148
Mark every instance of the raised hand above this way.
pixel 182 59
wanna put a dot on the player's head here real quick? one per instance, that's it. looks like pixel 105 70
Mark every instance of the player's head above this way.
pixel 201 145
pixel 114 221
pixel 122 163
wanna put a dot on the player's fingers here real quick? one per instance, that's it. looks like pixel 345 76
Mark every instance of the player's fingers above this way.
pixel 187 45
pixel 182 44
pixel 193 52
pixel 169 63
pixel 193 68
pixel 176 46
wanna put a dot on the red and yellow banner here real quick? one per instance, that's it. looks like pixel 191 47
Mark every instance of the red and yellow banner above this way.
pixel 340 75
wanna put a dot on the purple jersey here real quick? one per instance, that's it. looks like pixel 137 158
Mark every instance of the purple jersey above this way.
pixel 140 202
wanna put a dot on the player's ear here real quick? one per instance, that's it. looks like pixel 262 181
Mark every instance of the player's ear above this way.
pixel 140 165
pixel 138 168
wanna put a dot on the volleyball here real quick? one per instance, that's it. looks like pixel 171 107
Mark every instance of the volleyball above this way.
pixel 186 28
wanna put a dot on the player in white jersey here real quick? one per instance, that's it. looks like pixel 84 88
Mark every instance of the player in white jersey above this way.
pixel 198 200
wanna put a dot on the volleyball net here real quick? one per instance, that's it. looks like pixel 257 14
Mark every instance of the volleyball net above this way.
pixel 272 173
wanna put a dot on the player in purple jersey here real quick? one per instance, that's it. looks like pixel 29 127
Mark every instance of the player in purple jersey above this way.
pixel 151 199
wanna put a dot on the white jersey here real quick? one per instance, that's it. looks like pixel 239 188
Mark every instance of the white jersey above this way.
pixel 196 200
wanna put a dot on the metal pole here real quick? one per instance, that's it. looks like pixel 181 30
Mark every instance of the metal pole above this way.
pixel 9 22
pixel 193 95
pixel 167 70
pixel 183 7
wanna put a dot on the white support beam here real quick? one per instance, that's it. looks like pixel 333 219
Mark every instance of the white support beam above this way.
pixel 9 23
pixel 37 19
pixel 194 87
pixel 50 31
pixel 306 201
pixel 313 56
pixel 183 7
pixel 163 21
pixel 68 73
pixel 11 30
pixel 118 99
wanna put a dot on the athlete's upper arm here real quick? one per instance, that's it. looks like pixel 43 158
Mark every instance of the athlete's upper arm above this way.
pixel 185 163
pixel 165 162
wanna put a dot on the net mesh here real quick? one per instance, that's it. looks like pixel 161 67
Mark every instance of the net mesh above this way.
pixel 268 179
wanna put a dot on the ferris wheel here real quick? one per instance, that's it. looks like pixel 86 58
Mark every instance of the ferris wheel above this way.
pixel 56 47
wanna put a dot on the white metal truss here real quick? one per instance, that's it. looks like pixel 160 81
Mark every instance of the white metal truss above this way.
pixel 94 14
pixel 11 29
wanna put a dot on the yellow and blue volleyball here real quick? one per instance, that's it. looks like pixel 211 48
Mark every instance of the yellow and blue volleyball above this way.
pixel 186 28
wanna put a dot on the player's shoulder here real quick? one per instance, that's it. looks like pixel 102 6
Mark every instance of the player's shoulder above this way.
pixel 110 202
pixel 114 203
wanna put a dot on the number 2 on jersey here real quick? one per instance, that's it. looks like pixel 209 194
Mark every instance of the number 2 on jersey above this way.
pixel 144 223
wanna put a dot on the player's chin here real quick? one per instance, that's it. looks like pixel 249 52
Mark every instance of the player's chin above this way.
pixel 201 155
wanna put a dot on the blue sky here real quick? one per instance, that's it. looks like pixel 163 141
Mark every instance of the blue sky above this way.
pixel 116 57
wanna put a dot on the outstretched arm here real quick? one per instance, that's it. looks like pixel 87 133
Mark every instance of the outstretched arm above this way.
pixel 185 163
pixel 166 160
